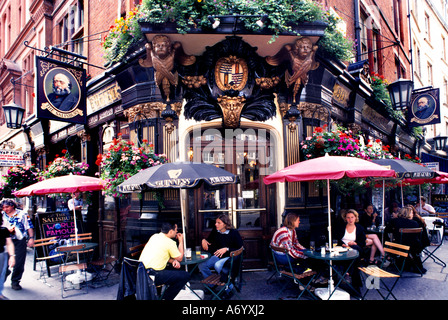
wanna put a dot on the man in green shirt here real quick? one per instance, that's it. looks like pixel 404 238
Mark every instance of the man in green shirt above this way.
pixel 160 250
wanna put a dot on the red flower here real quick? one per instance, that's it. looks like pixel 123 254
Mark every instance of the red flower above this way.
pixel 64 151
pixel 318 129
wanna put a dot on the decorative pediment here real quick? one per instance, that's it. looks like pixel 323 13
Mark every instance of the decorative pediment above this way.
pixel 233 73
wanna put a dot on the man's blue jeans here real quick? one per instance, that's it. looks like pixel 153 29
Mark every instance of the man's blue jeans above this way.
pixel 213 263
pixel 3 267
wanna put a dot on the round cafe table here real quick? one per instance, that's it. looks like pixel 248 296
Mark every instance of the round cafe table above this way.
pixel 194 261
pixel 329 258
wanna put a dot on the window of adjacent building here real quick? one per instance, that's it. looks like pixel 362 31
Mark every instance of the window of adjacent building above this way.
pixel 445 90
pixel 430 75
pixel 400 70
pixel 397 12
pixel 418 61
pixel 443 48
pixel 427 27
pixel 416 9
pixel 363 34
pixel 375 50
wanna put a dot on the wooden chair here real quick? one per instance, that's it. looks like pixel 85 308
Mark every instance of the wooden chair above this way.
pixel 136 250
pixel 42 255
pixel 107 263
pixel 288 272
pixel 81 237
pixel 411 236
pixel 438 224
pixel 232 283
pixel 70 268
pixel 397 254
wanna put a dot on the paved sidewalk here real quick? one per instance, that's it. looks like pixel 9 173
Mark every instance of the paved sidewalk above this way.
pixel 432 286
pixel 35 289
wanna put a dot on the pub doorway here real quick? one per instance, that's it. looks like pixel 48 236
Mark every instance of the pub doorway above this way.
pixel 247 153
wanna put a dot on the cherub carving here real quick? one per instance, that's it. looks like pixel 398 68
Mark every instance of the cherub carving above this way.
pixel 162 55
pixel 301 56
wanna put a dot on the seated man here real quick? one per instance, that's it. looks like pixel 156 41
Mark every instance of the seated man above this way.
pixel 160 250
pixel 424 208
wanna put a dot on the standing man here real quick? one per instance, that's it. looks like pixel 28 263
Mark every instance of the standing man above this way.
pixel 76 203
pixel 160 250
pixel 19 225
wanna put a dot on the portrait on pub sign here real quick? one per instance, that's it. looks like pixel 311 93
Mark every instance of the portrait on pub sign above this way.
pixel 425 108
pixel 61 91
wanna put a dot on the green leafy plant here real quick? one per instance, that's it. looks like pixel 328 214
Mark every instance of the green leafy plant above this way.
pixel 123 159
pixel 193 14
pixel 17 178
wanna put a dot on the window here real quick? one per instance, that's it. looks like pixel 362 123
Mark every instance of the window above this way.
pixel 375 52
pixel 363 34
pixel 430 75
pixel 443 48
pixel 445 90
pixel 427 28
pixel 419 63
pixel 396 10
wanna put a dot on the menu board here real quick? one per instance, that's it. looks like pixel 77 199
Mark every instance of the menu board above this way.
pixel 58 224
pixel 440 202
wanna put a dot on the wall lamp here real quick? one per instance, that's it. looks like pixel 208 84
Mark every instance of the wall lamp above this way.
pixel 13 112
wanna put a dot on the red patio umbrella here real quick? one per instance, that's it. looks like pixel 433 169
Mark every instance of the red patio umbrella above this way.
pixel 329 168
pixel 63 184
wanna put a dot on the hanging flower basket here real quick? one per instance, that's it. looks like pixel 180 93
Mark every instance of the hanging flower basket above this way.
pixel 123 159
pixel 17 178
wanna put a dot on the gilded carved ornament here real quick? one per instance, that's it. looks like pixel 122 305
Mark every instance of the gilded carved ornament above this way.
pixel 301 56
pixel 161 54
pixel 149 110
pixel 231 110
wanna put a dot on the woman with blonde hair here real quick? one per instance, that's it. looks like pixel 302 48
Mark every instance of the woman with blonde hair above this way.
pixel 353 236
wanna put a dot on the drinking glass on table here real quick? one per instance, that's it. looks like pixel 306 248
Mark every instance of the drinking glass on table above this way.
pixel 312 246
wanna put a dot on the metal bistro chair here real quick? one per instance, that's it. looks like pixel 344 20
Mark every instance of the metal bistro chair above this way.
pixel 289 274
pixel 438 225
pixel 42 255
pixel 84 237
pixel 233 280
pixel 395 252
pixel 70 268
pixel 407 237
pixel 107 263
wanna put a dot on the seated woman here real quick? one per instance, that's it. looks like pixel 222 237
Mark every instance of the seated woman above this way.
pixel 222 240
pixel 405 220
pixel 367 219
pixel 286 237
pixel 352 235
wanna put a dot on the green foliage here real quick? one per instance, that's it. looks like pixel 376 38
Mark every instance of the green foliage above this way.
pixel 193 14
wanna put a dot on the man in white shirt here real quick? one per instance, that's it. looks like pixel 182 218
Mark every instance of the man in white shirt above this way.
pixel 424 208
pixel 75 203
